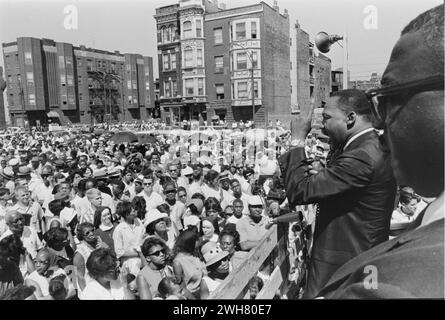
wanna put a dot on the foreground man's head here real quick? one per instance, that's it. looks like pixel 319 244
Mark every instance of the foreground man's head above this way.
pixel 414 117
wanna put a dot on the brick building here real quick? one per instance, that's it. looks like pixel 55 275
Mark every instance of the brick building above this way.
pixel 310 72
pixel 2 104
pixel 54 81
pixel 217 50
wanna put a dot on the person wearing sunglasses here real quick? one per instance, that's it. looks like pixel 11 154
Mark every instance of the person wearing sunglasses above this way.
pixel 156 254
pixel 152 198
pixel 411 111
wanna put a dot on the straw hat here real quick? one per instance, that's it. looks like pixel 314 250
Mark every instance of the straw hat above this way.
pixel 212 253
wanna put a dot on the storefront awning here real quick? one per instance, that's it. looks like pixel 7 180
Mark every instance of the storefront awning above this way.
pixel 53 114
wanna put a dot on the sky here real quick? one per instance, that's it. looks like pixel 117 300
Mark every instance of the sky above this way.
pixel 129 26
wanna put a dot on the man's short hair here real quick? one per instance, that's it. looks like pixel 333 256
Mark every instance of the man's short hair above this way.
pixel 430 24
pixel 92 192
pixel 353 100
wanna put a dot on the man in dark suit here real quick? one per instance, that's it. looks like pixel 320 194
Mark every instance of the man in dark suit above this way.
pixel 355 193
pixel 411 111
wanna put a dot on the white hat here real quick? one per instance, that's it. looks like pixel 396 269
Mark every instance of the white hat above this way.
pixel 255 201
pixel 13 162
pixel 153 215
pixel 212 253
pixel 217 168
pixel 186 171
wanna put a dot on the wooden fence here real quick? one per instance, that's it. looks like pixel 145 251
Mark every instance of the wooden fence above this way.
pixel 272 257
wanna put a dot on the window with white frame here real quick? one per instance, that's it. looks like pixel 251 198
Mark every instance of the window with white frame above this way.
pixel 255 90
pixel 165 35
pixel 28 58
pixel 134 84
pixel 129 84
pixel 189 87
pixel 240 31
pixel 165 60
pixel 254 60
pixel 172 31
pixel 70 80
pixel 30 78
pixel 187 29
pixel 219 91
pixel 199 57
pixel 32 99
pixel 242 89
pixel 217 34
pixel 173 61
pixel 63 79
pixel 188 57
pixel 241 61
pixel 200 86
pixel 198 29
pixel 174 88
pixel 219 64
pixel 167 91
pixel 135 100
pixel 253 30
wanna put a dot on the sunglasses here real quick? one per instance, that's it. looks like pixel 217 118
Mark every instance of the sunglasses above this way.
pixel 148 183
pixel 380 98
pixel 158 253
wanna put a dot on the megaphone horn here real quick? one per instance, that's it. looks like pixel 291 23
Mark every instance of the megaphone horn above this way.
pixel 323 41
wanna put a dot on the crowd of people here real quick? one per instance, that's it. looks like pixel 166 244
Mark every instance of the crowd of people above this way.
pixel 85 217
pixel 89 216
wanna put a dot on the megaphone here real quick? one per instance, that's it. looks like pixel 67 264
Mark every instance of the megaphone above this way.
pixel 324 41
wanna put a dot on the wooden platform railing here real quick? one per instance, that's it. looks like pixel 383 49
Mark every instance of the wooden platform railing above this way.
pixel 273 250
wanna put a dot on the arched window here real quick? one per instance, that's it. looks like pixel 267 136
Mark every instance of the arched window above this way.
pixel 172 31
pixel 187 29
pixel 165 35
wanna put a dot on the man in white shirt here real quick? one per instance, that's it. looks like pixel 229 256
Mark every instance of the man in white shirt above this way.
pixel 31 210
pixel 91 202
pixel 152 199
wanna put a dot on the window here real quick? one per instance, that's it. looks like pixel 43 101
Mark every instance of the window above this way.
pixel 64 101
pixel 189 90
pixel 79 62
pixel 174 88
pixel 241 31
pixel 241 61
pixel 80 96
pixel 188 58
pixel 29 78
pixel 71 100
pixel 167 91
pixel 134 84
pixel 128 67
pixel 172 32
pixel 200 86
pixel 147 85
pixel 135 100
pixel 253 29
pixel 70 80
pixel 10 78
pixel 165 61
pixel 89 65
pixel 219 64
pixel 217 34
pixel 199 57
pixel 61 62
pixel 130 99
pixel 254 60
pixel 198 29
pixel 159 33
pixel 173 61
pixel 28 58
pixel 129 84
pixel 165 35
pixel 69 63
pixel 147 71
pixel 32 99
pixel 79 80
pixel 255 89
pixel 219 91
pixel 242 89
pixel 187 29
